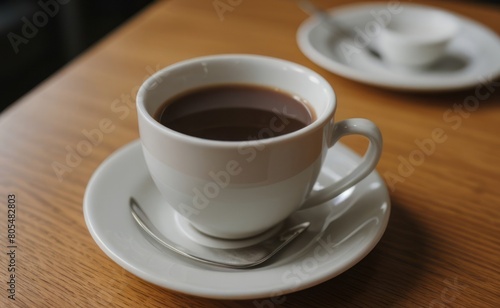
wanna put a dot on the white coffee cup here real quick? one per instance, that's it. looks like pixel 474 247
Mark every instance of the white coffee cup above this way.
pixel 238 189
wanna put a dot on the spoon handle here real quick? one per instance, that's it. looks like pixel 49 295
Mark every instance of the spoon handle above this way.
pixel 327 21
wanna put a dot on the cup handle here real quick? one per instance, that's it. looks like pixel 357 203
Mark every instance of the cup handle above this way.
pixel 358 126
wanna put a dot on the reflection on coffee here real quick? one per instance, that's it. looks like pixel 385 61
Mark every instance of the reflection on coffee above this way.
pixel 235 113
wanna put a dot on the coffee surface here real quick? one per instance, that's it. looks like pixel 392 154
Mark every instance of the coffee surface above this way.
pixel 235 113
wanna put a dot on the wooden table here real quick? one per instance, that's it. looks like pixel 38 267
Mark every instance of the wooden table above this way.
pixel 442 244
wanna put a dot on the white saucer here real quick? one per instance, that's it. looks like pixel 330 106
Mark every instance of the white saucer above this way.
pixel 358 219
pixel 471 59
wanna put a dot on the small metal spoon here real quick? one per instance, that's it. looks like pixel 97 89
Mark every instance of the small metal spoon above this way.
pixel 333 25
pixel 238 258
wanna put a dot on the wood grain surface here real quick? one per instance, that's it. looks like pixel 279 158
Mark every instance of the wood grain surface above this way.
pixel 442 244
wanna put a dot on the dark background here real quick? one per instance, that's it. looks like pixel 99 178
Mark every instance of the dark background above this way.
pixel 73 27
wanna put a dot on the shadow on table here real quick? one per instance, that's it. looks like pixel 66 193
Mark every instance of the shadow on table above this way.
pixel 485 94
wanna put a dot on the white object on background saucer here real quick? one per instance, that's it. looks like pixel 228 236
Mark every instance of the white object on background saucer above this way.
pixel 342 232
pixel 417 36
pixel 470 59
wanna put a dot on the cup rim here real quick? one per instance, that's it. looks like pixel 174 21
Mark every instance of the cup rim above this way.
pixel 320 120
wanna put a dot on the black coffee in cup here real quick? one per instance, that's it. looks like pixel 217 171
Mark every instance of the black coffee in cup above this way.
pixel 235 112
